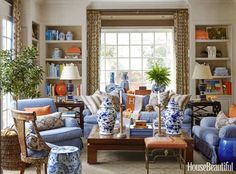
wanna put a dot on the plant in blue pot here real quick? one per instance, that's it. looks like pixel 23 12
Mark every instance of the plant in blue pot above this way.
pixel 106 117
pixel 173 118
pixel 160 76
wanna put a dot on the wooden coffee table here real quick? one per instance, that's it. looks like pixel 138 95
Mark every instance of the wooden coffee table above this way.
pixel 97 142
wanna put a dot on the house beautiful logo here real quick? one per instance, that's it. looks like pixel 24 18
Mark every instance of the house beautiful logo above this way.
pixel 223 167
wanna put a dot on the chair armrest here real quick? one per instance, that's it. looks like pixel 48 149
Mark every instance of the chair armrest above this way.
pixel 71 122
pixel 188 111
pixel 228 131
pixel 86 112
pixel 208 122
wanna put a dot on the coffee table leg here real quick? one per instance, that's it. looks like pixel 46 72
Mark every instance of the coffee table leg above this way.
pixel 91 155
pixel 189 151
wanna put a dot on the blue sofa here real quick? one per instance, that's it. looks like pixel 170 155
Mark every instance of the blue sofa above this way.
pixel 91 119
pixel 69 135
pixel 207 137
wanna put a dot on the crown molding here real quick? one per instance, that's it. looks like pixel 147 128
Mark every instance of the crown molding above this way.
pixel 137 5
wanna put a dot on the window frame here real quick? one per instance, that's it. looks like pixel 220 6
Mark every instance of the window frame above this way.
pixel 141 30
pixel 5 14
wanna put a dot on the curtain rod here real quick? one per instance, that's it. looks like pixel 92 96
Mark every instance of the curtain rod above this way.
pixel 137 11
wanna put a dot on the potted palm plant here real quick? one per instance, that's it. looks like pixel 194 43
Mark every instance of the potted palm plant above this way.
pixel 19 74
pixel 160 76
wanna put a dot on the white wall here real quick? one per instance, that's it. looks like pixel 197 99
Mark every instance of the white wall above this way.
pixel 212 12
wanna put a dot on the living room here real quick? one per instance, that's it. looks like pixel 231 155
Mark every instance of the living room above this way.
pixel 88 50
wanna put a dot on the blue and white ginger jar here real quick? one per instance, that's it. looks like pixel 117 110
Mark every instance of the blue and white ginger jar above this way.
pixel 173 118
pixel 106 117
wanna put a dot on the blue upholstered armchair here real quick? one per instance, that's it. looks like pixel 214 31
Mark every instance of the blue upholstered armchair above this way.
pixel 207 138
pixel 68 135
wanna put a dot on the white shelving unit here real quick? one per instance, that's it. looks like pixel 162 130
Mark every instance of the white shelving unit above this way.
pixel 63 45
pixel 223 43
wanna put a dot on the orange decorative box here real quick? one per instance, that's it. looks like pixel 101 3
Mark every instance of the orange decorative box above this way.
pixel 202 35
pixel 73 50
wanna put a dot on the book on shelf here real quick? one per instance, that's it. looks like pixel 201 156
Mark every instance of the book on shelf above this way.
pixel 50 89
pixel 78 90
pixel 54 70
pixel 227 88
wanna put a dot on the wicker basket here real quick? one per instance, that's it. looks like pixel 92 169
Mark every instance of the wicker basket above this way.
pixel 10 150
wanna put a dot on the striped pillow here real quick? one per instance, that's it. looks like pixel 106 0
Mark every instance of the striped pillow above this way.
pixel 182 100
pixel 92 102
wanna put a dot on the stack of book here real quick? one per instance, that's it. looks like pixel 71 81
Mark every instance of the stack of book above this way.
pixel 141 131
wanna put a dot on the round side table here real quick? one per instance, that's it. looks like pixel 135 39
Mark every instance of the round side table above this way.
pixel 64 159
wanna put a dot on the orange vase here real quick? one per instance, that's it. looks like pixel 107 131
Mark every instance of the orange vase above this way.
pixel 61 89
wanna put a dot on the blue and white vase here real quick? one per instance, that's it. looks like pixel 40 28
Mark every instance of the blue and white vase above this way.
pixel 156 88
pixel 173 118
pixel 69 36
pixel 124 83
pixel 112 86
pixel 57 53
pixel 106 117
pixel 64 159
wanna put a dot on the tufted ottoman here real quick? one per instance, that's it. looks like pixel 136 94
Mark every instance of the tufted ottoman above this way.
pixel 64 159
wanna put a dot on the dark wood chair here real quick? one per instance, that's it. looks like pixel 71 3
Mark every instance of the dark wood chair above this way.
pixel 20 118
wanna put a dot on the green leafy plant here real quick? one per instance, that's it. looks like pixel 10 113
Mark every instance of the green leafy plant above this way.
pixel 19 74
pixel 160 75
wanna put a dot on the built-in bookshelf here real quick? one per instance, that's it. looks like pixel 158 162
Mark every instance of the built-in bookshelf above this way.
pixel 63 45
pixel 219 39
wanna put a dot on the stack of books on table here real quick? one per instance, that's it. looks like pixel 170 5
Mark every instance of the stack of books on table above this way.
pixel 141 129
pixel 69 114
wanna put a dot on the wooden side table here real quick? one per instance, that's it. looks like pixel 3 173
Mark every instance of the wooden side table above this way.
pixel 200 109
pixel 70 106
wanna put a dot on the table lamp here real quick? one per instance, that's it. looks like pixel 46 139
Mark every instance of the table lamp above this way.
pixel 70 72
pixel 201 72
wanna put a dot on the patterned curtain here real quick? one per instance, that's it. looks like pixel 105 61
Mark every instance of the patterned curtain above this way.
pixel 17 25
pixel 181 50
pixel 93 46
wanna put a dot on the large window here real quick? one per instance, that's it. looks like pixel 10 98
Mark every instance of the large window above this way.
pixel 6 38
pixel 135 50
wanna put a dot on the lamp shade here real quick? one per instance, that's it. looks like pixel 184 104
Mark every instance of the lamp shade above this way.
pixel 202 71
pixel 70 72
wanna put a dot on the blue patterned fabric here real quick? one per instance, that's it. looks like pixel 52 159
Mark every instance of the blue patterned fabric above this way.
pixel 38 102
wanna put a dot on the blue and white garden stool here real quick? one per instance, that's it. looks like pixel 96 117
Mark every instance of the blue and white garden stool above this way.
pixel 64 160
